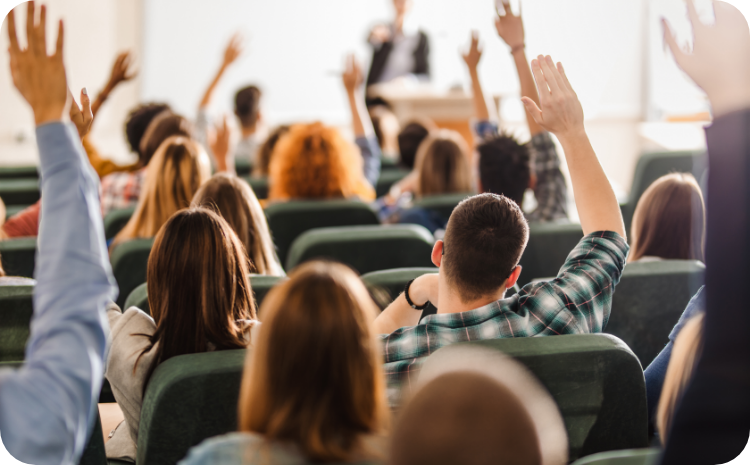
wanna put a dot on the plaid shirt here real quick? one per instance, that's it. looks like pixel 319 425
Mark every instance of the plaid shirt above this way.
pixel 551 190
pixel 578 301
pixel 121 190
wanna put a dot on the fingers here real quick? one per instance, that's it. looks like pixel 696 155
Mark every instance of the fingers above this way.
pixel 12 33
pixel 508 9
pixel 564 77
pixel 548 69
pixel 41 32
pixel 59 47
pixel 670 40
pixel 533 109
pixel 88 116
pixel 539 78
pixel 693 15
pixel 500 7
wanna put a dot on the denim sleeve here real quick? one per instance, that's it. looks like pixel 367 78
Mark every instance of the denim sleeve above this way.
pixel 370 150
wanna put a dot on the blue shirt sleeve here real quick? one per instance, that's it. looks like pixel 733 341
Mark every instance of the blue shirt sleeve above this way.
pixel 370 157
pixel 46 407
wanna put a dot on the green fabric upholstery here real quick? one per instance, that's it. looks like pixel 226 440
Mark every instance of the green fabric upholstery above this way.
pixel 652 166
pixel 649 300
pixel 622 457
pixel 596 381
pixel 19 256
pixel 443 204
pixel 19 191
pixel 242 166
pixel 14 172
pixel 16 309
pixel 129 262
pixel 94 453
pixel 138 297
pixel 388 178
pixel 287 220
pixel 12 210
pixel 259 185
pixel 116 220
pixel 389 164
pixel 365 248
pixel 189 398
pixel 548 247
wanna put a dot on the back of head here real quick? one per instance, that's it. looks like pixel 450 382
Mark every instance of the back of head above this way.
pixel 247 105
pixel 198 286
pixel 442 165
pixel 484 239
pixel 669 220
pixel 235 201
pixel 314 377
pixel 165 125
pixel 314 161
pixel 504 167
pixel 263 158
pixel 410 138
pixel 137 122
pixel 178 169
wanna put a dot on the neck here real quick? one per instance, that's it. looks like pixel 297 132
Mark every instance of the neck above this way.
pixel 398 24
pixel 450 301
pixel 249 131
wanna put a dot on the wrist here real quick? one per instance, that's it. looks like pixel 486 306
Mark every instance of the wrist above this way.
pixel 572 136
pixel 518 49
pixel 48 115
pixel 419 291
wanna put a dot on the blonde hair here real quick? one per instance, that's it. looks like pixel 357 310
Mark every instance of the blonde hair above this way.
pixel 235 201
pixel 314 377
pixel 685 354
pixel 669 220
pixel 314 161
pixel 175 173
pixel 442 165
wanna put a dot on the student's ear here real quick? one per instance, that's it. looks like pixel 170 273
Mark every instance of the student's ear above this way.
pixel 437 253
pixel 513 278
pixel 532 181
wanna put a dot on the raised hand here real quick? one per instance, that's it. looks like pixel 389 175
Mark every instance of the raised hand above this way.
pixel 233 50
pixel 219 143
pixel 561 112
pixel 40 78
pixel 380 34
pixel 121 70
pixel 81 117
pixel 509 26
pixel 720 60
pixel 352 76
pixel 474 54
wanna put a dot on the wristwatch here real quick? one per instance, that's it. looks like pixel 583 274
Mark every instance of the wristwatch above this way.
pixel 408 299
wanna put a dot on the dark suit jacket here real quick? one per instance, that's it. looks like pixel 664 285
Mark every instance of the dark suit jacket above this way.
pixel 380 58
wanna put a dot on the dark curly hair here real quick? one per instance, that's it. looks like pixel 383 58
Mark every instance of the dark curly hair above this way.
pixel 137 121
pixel 504 167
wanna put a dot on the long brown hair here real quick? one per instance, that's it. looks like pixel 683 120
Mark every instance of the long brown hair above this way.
pixel 313 161
pixel 442 165
pixel 173 177
pixel 263 158
pixel 236 202
pixel 314 377
pixel 669 221
pixel 198 286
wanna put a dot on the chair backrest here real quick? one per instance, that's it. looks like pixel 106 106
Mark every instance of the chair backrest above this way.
pixel 443 204
pixel 365 248
pixel 648 302
pixel 94 453
pixel 19 256
pixel 388 178
pixel 242 166
pixel 596 382
pixel 652 166
pixel 116 220
pixel 129 263
pixel 261 285
pixel 259 185
pixel 288 220
pixel 549 245
pixel 188 399
pixel 19 191
pixel 649 456
pixel 16 309
pixel 14 172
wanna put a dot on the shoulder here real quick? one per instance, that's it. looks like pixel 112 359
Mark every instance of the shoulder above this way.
pixel 133 319
pixel 225 449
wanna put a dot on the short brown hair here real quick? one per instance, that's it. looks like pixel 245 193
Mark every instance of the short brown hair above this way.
pixel 163 126
pixel 442 164
pixel 483 242
pixel 669 220
pixel 263 158
pixel 247 105
pixel 314 377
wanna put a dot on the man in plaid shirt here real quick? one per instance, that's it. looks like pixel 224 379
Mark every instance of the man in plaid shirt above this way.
pixel 484 239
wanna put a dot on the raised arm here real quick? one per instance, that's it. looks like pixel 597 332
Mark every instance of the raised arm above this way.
pixel 46 407
pixel 471 58
pixel 561 114
pixel 122 71
pixel 510 29
pixel 361 124
pixel 231 53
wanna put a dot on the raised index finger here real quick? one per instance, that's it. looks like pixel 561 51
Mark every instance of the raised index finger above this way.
pixel 540 79
pixel 550 74
pixel 30 26
pixel 12 32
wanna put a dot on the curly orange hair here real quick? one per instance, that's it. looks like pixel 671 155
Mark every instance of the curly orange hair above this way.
pixel 314 161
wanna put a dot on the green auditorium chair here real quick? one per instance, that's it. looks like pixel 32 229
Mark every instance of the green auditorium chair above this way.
pixel 549 245
pixel 287 220
pixel 129 262
pixel 94 453
pixel 595 380
pixel 365 248
pixel 259 283
pixel 189 398
pixel 19 191
pixel 622 457
pixel 242 166
pixel 649 300
pixel 652 166
pixel 389 164
pixel 16 309
pixel 19 256
pixel 116 220
pixel 259 185
pixel 443 204
pixel 15 172
pixel 12 210
pixel 388 178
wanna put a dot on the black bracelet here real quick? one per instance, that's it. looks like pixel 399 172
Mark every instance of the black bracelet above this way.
pixel 408 299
